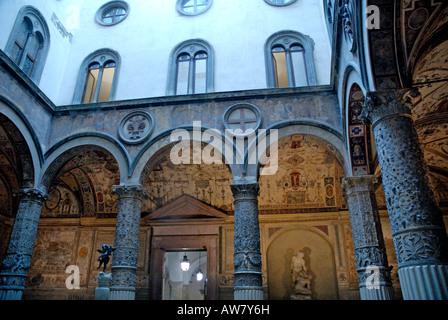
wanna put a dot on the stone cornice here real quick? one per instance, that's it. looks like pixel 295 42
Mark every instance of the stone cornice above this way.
pixel 26 82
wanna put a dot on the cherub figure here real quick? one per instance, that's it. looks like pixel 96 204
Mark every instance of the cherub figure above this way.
pixel 104 257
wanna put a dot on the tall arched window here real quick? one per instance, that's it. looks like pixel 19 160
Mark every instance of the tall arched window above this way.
pixel 97 80
pixel 289 60
pixel 191 68
pixel 29 42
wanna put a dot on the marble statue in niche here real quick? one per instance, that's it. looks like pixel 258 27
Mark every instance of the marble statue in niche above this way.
pixel 301 278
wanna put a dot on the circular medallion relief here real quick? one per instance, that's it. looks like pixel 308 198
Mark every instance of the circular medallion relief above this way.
pixel 54 198
pixel 136 127
pixel 241 119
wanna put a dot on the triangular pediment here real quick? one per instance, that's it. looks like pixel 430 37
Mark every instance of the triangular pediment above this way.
pixel 186 207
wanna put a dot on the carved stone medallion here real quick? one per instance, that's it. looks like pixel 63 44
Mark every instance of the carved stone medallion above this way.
pixel 136 127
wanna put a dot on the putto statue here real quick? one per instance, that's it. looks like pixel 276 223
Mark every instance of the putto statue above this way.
pixel 301 278
pixel 104 258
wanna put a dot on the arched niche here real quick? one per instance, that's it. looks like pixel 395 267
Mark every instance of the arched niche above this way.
pixel 318 257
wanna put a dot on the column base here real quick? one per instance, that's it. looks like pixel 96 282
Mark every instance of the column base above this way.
pixel 250 293
pixel 424 282
pixel 121 294
pixel 11 294
pixel 380 293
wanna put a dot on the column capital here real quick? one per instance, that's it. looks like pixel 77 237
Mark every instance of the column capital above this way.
pixel 32 194
pixel 381 104
pixel 245 190
pixel 364 183
pixel 136 191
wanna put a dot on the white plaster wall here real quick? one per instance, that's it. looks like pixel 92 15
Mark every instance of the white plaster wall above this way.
pixel 236 29
pixel 60 47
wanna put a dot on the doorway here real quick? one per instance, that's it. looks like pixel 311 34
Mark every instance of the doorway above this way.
pixel 185 275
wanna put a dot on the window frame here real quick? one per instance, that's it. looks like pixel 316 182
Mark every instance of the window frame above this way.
pixel 38 29
pixel 108 6
pixel 180 8
pixel 287 39
pixel 279 4
pixel 102 57
pixel 192 48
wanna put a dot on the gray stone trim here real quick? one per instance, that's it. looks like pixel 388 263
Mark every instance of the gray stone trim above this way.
pixel 288 38
pixel 39 26
pixel 107 6
pixel 192 47
pixel 101 57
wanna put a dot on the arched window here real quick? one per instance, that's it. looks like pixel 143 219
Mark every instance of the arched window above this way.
pixel 97 80
pixel 289 60
pixel 191 68
pixel 29 42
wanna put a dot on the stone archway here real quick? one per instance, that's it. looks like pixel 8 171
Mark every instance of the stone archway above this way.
pixel 75 222
pixel 186 206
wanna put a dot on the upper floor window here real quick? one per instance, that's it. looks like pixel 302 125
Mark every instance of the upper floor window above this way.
pixel 97 79
pixel 280 2
pixel 191 68
pixel 193 7
pixel 112 13
pixel 289 60
pixel 29 42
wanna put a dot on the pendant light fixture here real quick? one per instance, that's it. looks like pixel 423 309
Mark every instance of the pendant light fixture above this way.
pixel 199 274
pixel 185 263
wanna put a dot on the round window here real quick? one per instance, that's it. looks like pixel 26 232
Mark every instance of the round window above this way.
pixel 112 13
pixel 280 3
pixel 193 7
pixel 242 119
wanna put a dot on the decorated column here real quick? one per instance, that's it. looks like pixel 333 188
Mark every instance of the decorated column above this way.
pixel 247 255
pixel 370 251
pixel 418 230
pixel 18 255
pixel 124 258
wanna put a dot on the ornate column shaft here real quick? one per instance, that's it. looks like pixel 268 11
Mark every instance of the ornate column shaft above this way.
pixel 370 251
pixel 418 230
pixel 18 255
pixel 247 253
pixel 124 258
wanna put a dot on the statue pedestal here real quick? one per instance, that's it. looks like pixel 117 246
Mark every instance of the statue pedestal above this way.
pixel 102 291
